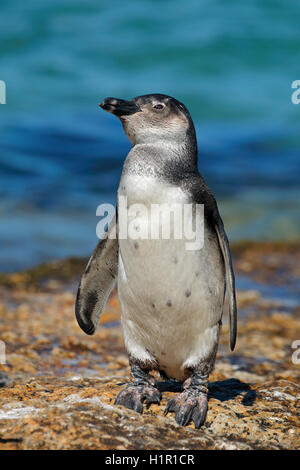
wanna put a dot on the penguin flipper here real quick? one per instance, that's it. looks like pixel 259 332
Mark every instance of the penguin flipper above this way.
pixel 230 280
pixel 97 282
pixel 201 194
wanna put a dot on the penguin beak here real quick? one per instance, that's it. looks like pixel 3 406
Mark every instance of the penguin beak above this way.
pixel 119 107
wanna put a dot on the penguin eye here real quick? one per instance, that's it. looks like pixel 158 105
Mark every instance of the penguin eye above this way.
pixel 159 106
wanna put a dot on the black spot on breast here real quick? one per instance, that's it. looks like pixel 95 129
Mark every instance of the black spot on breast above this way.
pixel 187 293
pixel 175 259
pixel 169 303
pixel 197 274
pixel 136 245
pixel 153 305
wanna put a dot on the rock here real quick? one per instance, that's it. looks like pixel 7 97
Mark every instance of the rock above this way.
pixel 58 386
pixel 3 379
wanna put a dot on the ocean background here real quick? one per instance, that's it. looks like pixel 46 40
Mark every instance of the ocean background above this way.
pixel 232 63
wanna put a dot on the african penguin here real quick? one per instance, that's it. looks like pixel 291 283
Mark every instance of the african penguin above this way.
pixel 171 297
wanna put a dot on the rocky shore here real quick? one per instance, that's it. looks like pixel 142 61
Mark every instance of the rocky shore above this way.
pixel 57 387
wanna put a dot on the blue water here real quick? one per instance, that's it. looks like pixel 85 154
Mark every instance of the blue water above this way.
pixel 232 63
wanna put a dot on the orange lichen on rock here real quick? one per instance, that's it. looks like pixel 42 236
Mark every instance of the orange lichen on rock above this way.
pixel 58 386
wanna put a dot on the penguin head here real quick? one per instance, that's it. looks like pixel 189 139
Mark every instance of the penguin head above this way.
pixel 152 118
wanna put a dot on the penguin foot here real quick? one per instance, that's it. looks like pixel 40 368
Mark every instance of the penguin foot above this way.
pixel 134 395
pixel 190 405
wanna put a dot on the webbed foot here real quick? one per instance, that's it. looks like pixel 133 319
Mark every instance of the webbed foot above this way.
pixel 191 404
pixel 141 389
pixel 188 406
pixel 134 395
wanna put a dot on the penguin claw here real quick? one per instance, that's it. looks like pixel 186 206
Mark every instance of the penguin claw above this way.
pixel 172 406
pixel 154 396
pixel 187 407
pixel 199 414
pixel 133 396
pixel 130 398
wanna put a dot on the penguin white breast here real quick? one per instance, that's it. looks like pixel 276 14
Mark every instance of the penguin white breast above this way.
pixel 171 298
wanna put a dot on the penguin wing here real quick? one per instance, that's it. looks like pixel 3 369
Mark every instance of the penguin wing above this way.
pixel 97 282
pixel 230 281
pixel 202 195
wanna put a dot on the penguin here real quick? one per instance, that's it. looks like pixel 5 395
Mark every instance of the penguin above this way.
pixel 171 298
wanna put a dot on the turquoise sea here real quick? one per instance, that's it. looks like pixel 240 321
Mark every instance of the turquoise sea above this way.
pixel 232 63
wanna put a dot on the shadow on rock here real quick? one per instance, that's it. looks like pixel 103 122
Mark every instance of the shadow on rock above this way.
pixel 221 390
pixel 3 380
pixel 224 390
